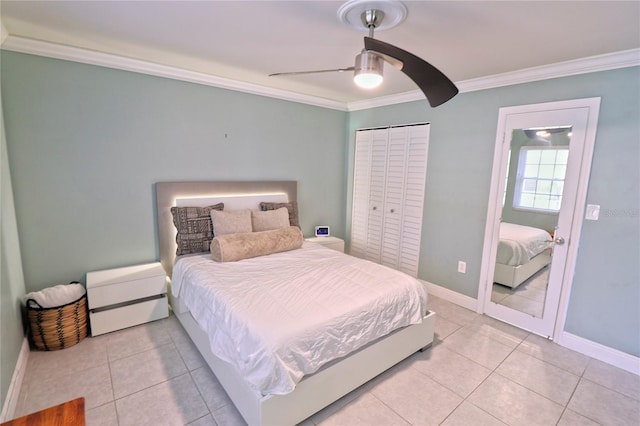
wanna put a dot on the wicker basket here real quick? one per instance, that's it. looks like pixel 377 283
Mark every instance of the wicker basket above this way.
pixel 58 327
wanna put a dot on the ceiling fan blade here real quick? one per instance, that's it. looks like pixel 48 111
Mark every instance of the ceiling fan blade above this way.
pixel 311 72
pixel 436 86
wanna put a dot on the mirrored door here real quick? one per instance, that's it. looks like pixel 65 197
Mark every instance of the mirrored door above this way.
pixel 535 202
pixel 534 185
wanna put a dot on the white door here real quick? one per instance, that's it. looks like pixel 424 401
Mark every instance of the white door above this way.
pixel 361 182
pixel 577 120
pixel 417 138
pixel 394 197
pixel 368 195
pixel 378 172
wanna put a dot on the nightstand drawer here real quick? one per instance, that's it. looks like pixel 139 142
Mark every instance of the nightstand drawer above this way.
pixel 118 285
pixel 333 243
pixel 124 297
pixel 125 291
pixel 128 315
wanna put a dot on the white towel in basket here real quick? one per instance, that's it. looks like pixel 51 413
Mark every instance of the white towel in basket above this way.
pixel 58 295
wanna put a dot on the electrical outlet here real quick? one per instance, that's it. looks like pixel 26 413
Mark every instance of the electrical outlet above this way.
pixel 462 267
pixel 593 212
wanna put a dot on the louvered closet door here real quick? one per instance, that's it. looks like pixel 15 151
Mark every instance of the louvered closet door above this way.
pixel 389 180
pixel 376 193
pixel 394 197
pixel 368 193
pixel 360 207
pixel 417 143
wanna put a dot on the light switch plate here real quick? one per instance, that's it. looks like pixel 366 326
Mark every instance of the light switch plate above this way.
pixel 593 212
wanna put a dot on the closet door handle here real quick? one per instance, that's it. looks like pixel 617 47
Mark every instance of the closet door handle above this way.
pixel 375 208
pixel 393 210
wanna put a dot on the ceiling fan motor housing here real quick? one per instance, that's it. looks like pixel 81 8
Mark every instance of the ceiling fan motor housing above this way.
pixel 372 15
pixel 368 69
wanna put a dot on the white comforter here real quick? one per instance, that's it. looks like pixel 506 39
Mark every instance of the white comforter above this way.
pixel 282 316
pixel 518 244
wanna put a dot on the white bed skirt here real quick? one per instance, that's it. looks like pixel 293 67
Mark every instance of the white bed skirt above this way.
pixel 316 391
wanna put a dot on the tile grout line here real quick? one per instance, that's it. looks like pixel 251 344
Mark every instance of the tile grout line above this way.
pixel 580 378
pixel 564 406
pixel 492 371
pixel 210 413
pixel 487 378
pixel 113 394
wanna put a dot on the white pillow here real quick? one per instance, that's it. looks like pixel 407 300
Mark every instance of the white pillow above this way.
pixel 231 222
pixel 270 219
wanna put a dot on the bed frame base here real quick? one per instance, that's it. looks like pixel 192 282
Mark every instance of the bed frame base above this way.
pixel 314 392
pixel 425 348
pixel 513 276
pixel 319 390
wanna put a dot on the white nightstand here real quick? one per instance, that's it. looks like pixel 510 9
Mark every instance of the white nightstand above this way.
pixel 124 297
pixel 334 243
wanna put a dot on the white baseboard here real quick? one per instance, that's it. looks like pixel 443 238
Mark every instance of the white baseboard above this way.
pixel 11 402
pixel 600 352
pixel 579 344
pixel 451 296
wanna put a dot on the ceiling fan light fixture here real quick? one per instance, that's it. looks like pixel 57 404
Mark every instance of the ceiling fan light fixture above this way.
pixel 369 15
pixel 368 70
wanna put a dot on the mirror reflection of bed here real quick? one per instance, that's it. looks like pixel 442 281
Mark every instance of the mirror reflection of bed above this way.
pixel 522 268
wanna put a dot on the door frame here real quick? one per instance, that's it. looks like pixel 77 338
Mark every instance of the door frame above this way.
pixel 495 197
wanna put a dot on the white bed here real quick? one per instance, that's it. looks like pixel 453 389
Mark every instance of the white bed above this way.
pixel 291 393
pixel 522 251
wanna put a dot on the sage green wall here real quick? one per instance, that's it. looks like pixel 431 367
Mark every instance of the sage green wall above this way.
pixel 11 278
pixel 605 299
pixel 86 145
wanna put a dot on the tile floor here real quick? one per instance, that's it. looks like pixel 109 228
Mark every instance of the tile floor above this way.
pixel 479 372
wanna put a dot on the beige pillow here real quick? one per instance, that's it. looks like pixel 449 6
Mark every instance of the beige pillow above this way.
pixel 292 207
pixel 233 247
pixel 271 219
pixel 231 222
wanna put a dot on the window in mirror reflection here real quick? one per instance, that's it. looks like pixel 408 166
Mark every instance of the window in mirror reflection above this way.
pixel 540 178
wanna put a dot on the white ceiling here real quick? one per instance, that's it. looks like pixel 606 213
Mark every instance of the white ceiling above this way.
pixel 247 40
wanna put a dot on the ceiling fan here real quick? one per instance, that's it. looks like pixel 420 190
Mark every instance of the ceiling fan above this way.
pixel 369 63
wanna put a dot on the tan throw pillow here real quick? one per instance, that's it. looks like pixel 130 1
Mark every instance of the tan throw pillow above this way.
pixel 233 247
pixel 195 230
pixel 292 207
pixel 271 219
pixel 231 222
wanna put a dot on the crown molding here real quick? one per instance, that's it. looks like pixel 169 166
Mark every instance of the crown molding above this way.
pixel 400 98
pixel 610 61
pixel 85 56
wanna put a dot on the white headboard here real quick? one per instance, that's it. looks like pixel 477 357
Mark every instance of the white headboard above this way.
pixel 233 202
pixel 234 195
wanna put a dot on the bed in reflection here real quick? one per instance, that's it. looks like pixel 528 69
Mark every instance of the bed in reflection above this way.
pixel 522 251
pixel 287 326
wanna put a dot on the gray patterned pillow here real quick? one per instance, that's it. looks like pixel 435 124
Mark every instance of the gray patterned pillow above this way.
pixel 292 207
pixel 195 230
